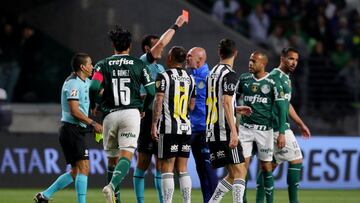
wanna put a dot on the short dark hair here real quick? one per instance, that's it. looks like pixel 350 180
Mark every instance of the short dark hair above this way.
pixel 146 41
pixel 178 54
pixel 120 37
pixel 227 48
pixel 287 50
pixel 77 60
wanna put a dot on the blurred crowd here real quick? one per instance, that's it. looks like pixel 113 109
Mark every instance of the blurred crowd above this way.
pixel 326 32
pixel 31 62
pixel 19 57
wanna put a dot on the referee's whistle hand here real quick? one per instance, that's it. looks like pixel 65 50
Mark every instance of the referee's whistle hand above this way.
pixel 98 128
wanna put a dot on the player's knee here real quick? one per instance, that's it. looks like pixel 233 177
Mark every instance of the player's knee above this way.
pixel 266 166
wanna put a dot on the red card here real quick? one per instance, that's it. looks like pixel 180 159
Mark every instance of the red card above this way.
pixel 185 14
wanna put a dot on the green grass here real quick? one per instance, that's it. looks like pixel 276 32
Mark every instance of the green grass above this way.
pixel 127 196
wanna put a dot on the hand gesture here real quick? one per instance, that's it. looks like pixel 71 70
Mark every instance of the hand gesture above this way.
pixel 234 139
pixel 243 110
pixel 154 134
pixel 98 128
pixel 305 132
pixel 281 141
pixel 180 21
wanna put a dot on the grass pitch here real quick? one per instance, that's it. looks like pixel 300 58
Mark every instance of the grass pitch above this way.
pixel 128 196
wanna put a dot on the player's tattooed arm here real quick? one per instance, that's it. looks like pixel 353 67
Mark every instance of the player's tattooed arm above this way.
pixel 157 109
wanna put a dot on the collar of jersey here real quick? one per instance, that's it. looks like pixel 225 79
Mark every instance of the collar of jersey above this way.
pixel 281 71
pixel 121 55
pixel 267 75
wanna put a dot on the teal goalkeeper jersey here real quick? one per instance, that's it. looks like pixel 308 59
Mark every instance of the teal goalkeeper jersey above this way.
pixel 121 77
pixel 262 95
pixel 286 84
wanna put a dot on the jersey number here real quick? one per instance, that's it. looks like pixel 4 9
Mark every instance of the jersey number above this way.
pixel 119 85
pixel 180 106
pixel 212 116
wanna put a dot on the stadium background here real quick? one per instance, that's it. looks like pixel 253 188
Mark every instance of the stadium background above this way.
pixel 45 34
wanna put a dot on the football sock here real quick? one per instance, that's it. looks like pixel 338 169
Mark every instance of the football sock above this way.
pixel 120 171
pixel 222 188
pixel 293 179
pixel 185 186
pixel 167 180
pixel 260 192
pixel 157 181
pixel 139 184
pixel 109 176
pixel 246 180
pixel 60 183
pixel 238 190
pixel 81 181
pixel 269 186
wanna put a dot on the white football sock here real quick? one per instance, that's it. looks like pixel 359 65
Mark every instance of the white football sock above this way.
pixel 221 189
pixel 167 181
pixel 185 186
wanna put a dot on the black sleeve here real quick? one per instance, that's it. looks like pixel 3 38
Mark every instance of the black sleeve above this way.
pixel 229 83
pixel 160 83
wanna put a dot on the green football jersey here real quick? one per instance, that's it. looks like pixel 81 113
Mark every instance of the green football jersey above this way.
pixel 286 84
pixel 260 95
pixel 122 76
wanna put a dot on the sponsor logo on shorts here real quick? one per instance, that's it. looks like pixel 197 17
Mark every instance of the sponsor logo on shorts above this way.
pixel 212 157
pixel 127 135
pixel 220 154
pixel 174 148
pixel 186 148
pixel 267 151
pixel 284 151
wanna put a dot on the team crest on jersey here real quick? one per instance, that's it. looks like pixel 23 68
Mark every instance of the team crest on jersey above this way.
pixel 74 93
pixel 265 89
pixel 254 87
pixel 201 85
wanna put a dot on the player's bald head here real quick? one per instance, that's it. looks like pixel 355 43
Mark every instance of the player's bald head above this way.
pixel 196 57
pixel 261 56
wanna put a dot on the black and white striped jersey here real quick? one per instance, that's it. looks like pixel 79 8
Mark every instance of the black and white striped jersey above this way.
pixel 220 81
pixel 178 88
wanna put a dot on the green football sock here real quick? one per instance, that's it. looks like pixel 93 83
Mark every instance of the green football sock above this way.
pixel 293 179
pixel 260 192
pixel 269 186
pixel 121 169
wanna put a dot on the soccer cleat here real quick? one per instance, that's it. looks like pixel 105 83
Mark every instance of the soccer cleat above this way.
pixel 109 194
pixel 40 198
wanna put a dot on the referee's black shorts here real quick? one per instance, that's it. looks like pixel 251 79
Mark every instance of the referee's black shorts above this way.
pixel 145 143
pixel 72 140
